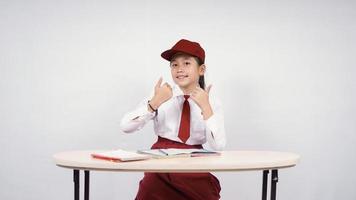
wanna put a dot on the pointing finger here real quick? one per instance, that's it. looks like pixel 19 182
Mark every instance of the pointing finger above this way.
pixel 208 89
pixel 158 84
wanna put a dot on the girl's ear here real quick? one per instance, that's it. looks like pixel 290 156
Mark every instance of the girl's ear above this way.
pixel 202 69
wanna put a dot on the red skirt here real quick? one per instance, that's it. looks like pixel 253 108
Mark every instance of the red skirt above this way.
pixel 178 186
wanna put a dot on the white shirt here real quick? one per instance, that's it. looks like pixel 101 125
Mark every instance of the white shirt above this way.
pixel 167 120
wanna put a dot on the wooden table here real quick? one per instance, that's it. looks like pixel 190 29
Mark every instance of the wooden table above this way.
pixel 264 161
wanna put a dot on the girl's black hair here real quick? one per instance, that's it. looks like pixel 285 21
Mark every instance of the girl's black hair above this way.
pixel 201 78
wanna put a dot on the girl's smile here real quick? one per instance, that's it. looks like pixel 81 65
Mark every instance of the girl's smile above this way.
pixel 179 77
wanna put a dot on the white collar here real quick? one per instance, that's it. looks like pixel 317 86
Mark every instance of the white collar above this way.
pixel 177 91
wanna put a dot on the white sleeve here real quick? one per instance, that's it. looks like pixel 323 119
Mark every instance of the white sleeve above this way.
pixel 215 128
pixel 137 118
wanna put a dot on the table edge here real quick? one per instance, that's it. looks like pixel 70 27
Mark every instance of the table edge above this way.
pixel 172 171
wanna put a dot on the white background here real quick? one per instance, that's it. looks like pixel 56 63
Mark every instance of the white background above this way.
pixel 284 70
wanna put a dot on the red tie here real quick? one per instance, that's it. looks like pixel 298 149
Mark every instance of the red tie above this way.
pixel 184 128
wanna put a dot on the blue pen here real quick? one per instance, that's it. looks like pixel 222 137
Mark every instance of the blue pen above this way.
pixel 162 151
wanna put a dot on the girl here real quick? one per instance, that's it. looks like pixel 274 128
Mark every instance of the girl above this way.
pixel 184 116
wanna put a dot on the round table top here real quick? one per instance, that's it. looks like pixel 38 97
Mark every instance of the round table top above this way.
pixel 227 161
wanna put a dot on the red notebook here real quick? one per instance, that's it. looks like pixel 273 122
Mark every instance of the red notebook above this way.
pixel 119 155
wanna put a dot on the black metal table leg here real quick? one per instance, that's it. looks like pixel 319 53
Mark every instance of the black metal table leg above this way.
pixel 76 184
pixel 86 185
pixel 274 180
pixel 264 184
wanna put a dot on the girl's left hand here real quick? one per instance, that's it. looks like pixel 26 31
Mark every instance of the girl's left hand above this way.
pixel 201 97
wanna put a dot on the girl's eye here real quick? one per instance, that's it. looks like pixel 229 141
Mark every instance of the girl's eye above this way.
pixel 187 63
pixel 173 65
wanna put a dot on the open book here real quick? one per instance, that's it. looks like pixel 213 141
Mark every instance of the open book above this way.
pixel 172 152
pixel 120 155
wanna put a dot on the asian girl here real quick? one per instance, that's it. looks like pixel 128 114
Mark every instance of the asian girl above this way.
pixel 185 115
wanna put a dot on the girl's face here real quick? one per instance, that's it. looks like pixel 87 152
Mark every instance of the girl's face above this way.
pixel 185 70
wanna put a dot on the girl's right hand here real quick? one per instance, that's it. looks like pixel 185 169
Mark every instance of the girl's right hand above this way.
pixel 162 94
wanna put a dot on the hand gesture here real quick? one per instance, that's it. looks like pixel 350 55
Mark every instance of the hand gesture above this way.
pixel 201 97
pixel 162 94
